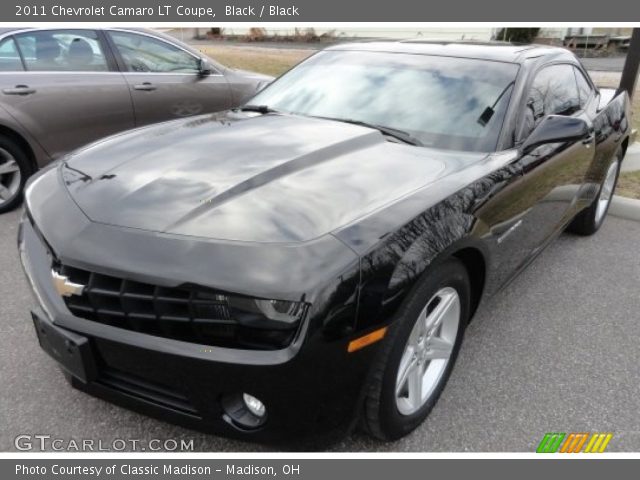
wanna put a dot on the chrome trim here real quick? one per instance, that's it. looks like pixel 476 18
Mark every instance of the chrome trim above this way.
pixel 64 287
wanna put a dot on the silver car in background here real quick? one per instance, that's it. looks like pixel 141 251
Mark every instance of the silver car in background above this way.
pixel 61 88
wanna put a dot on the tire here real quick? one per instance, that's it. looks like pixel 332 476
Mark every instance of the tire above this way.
pixel 15 168
pixel 389 412
pixel 591 219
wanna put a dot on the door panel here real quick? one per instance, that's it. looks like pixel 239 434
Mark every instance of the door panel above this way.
pixel 67 97
pixel 164 80
pixel 553 176
pixel 159 97
pixel 537 198
pixel 554 173
pixel 525 214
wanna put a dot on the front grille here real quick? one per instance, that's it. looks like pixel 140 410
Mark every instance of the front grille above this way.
pixel 184 313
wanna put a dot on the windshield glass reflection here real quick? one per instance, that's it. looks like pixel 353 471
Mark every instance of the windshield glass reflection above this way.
pixel 444 102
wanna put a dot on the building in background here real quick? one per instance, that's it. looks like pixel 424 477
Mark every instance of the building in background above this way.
pixel 585 40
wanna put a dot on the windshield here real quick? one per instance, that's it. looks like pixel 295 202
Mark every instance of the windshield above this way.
pixel 443 102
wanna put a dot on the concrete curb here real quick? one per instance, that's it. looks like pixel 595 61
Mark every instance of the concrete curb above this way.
pixel 627 208
pixel 631 161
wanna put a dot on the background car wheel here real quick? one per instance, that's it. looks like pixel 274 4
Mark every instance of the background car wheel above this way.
pixel 590 220
pixel 419 352
pixel 14 171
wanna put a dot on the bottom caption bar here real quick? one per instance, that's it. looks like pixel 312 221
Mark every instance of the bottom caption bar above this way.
pixel 317 469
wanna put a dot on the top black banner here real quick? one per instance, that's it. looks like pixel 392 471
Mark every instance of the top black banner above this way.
pixel 251 11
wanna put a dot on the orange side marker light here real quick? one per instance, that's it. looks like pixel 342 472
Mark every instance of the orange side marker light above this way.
pixel 367 339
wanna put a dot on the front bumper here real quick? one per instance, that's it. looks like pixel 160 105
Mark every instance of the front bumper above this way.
pixel 311 389
pixel 190 392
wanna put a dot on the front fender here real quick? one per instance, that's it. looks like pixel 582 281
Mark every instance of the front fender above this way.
pixel 390 271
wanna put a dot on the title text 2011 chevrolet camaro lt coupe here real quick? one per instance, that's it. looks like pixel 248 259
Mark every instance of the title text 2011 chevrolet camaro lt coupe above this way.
pixel 309 262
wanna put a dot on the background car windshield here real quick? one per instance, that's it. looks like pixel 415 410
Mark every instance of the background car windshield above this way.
pixel 445 102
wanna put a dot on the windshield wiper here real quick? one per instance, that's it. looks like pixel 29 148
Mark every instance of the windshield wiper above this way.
pixel 264 109
pixel 401 135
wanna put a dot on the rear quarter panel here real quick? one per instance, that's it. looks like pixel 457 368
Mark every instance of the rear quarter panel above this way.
pixel 612 125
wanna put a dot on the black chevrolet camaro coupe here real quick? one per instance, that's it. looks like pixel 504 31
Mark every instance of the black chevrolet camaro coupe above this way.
pixel 309 261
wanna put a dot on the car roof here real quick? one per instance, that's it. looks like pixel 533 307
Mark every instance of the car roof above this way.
pixel 11 29
pixel 494 51
pixel 7 30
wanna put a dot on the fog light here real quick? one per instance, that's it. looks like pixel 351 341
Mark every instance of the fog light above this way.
pixel 254 405
pixel 244 411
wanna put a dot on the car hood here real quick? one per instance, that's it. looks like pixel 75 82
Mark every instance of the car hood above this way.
pixel 246 177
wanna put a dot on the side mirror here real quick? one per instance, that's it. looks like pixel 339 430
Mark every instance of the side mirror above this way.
pixel 555 129
pixel 203 68
pixel 261 86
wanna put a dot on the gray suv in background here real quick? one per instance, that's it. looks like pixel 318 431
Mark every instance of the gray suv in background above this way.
pixel 61 88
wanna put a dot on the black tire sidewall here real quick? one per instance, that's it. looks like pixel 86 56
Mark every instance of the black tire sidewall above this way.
pixel 25 171
pixel 451 273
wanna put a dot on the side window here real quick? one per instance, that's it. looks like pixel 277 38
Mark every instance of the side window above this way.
pixel 584 88
pixel 9 57
pixel 554 92
pixel 141 53
pixel 62 51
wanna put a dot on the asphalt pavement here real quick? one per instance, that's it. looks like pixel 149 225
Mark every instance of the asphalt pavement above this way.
pixel 557 351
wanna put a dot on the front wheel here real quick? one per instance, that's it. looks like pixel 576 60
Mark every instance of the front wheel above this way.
pixel 419 353
pixel 591 219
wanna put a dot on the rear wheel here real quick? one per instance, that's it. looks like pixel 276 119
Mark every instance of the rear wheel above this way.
pixel 14 171
pixel 419 353
pixel 591 219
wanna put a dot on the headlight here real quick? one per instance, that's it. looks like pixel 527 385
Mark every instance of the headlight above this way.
pixel 260 313
pixel 259 323
pixel 250 312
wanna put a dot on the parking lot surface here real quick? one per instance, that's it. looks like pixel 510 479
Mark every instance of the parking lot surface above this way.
pixel 556 351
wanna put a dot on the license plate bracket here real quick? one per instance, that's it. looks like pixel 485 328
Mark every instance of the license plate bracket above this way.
pixel 70 350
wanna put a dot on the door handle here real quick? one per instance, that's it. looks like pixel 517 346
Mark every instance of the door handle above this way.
pixel 146 86
pixel 587 141
pixel 19 90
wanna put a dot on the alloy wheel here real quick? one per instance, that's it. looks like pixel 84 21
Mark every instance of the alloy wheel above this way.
pixel 606 192
pixel 10 177
pixel 428 351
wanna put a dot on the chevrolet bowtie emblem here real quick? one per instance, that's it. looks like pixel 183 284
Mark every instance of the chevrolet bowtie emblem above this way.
pixel 65 287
